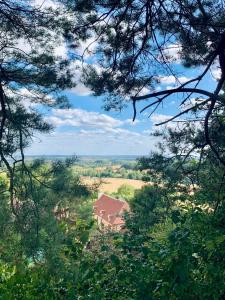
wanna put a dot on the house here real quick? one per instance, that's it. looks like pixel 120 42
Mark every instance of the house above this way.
pixel 109 211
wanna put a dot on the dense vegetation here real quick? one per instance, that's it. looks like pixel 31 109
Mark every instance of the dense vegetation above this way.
pixel 173 246
pixel 107 168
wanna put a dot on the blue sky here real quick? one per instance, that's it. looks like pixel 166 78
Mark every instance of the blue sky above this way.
pixel 86 129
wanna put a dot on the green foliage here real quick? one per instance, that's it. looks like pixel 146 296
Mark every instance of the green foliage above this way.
pixel 108 168
pixel 39 248
pixel 125 191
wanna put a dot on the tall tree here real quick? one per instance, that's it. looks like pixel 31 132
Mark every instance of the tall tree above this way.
pixel 32 74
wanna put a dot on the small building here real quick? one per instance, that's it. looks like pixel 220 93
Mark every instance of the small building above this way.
pixel 109 211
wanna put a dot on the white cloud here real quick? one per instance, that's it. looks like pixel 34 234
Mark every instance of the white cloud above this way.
pixel 86 48
pixel 93 142
pixel 76 69
pixel 216 72
pixel 81 90
pixel 42 4
pixel 87 132
pixel 158 118
pixel 131 122
pixel 29 99
pixel 148 131
pixel 23 45
pixel 86 119
pixel 173 80
pixel 176 124
pixel 112 133
pixel 172 53
pixel 169 87
pixel 191 103
pixel 142 92
pixel 120 133
pixel 61 50
pixel 90 133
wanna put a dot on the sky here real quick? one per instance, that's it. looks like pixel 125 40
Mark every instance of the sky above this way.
pixel 86 129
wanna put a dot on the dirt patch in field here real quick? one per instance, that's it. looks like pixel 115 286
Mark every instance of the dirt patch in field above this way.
pixel 110 185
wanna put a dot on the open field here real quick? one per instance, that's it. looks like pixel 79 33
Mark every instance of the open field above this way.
pixel 110 185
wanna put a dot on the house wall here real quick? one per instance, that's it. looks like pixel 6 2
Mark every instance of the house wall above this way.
pixel 104 225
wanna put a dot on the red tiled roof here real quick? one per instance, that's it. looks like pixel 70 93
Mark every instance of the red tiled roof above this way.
pixel 110 209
